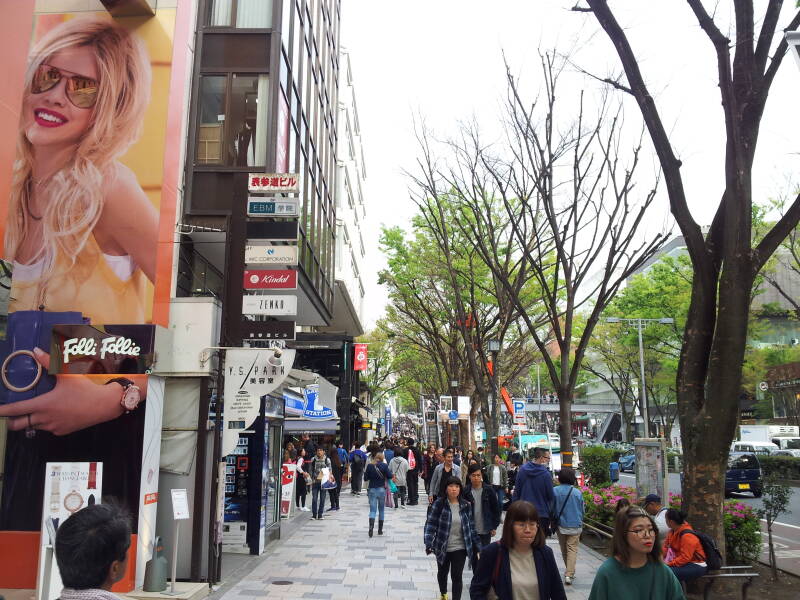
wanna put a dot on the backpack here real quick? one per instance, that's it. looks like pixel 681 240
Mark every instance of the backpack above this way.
pixel 412 462
pixel 713 556
pixel 357 460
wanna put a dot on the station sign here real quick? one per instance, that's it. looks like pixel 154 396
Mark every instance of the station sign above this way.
pixel 270 279
pixel 273 306
pixel 263 207
pixel 274 182
pixel 268 254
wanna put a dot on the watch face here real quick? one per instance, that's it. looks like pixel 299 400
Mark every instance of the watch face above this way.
pixel 73 501
pixel 131 397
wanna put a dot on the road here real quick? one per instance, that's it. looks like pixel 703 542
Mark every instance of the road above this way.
pixel 786 531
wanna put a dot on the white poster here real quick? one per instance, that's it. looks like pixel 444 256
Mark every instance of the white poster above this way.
pixel 68 487
pixel 250 373
pixel 273 306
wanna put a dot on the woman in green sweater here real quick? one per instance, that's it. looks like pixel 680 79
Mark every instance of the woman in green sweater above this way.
pixel 635 569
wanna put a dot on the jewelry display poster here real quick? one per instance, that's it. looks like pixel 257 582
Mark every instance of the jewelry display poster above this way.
pixel 68 487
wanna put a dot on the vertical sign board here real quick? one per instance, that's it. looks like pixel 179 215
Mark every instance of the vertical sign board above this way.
pixel 651 467
pixel 288 475
pixel 68 487
pixel 388 419
pixel 519 415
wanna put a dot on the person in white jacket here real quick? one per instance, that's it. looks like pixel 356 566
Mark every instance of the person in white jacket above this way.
pixel 398 466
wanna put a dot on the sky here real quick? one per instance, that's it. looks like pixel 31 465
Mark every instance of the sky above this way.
pixel 442 61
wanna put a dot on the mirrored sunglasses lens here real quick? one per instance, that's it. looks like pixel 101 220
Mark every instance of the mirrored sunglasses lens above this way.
pixel 82 91
pixel 44 79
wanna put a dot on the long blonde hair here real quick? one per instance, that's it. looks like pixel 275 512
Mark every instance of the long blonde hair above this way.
pixel 77 189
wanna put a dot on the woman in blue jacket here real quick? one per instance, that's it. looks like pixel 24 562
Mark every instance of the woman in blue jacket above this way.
pixel 377 475
pixel 521 561
pixel 450 535
pixel 568 512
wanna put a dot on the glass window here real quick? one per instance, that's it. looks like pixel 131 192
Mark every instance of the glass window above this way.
pixel 743 462
pixel 233 120
pixel 212 120
pixel 242 14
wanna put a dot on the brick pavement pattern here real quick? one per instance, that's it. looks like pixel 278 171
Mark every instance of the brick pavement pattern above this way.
pixel 334 559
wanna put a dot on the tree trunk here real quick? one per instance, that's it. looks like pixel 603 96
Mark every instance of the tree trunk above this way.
pixel 565 426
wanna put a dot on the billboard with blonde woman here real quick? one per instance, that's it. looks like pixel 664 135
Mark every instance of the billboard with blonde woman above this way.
pixel 89 235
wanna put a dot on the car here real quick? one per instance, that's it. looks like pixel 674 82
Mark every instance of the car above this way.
pixel 794 453
pixel 743 474
pixel 627 463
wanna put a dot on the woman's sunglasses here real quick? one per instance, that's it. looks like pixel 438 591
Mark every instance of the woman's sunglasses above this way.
pixel 81 91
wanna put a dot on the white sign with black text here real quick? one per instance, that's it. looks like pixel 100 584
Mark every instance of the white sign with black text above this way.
pixel 273 306
pixel 267 254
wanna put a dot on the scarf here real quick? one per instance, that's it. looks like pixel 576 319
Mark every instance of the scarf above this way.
pixel 88 594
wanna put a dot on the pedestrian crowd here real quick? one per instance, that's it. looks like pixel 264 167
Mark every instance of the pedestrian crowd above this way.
pixel 473 496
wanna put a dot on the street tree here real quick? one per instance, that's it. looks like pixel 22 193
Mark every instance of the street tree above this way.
pixel 568 199
pixel 725 260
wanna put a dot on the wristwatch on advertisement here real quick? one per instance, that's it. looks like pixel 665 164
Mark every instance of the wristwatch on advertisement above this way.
pixel 131 396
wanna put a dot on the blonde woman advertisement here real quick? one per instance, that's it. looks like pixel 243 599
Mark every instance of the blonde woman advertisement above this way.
pixel 81 232
pixel 83 235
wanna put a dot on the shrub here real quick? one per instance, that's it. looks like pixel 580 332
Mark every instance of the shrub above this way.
pixel 742 533
pixel 781 467
pixel 594 464
pixel 599 503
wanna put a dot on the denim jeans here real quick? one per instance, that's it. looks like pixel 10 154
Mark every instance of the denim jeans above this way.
pixel 689 571
pixel 317 493
pixel 501 495
pixel 377 499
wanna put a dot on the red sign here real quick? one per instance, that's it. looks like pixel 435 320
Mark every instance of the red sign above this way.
pixel 270 279
pixel 151 498
pixel 360 357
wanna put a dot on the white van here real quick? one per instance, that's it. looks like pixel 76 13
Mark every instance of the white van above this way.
pixel 754 447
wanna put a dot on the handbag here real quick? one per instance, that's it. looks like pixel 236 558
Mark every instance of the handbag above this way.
pixel 21 374
pixel 554 523
pixel 330 484
pixel 392 486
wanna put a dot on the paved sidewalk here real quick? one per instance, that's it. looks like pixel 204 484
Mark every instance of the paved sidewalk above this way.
pixel 335 559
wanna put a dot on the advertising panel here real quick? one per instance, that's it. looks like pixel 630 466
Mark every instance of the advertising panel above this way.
pixel 360 354
pixel 267 254
pixel 274 306
pixel 270 279
pixel 259 207
pixel 288 472
pixel 68 487
pixel 98 141
pixel 249 375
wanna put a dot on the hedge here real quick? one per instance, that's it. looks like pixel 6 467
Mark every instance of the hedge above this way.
pixel 782 467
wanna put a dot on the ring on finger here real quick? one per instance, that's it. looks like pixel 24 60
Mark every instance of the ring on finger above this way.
pixel 30 431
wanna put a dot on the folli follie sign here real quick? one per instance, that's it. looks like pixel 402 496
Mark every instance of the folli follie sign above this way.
pixel 270 279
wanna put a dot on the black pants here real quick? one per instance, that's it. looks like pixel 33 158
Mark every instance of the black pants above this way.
pixel 400 494
pixel 301 491
pixel 412 482
pixel 544 525
pixel 485 538
pixel 334 493
pixel 453 562
pixel 355 477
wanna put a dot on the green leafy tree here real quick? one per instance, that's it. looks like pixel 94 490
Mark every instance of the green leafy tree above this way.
pixel 775 502
pixel 726 262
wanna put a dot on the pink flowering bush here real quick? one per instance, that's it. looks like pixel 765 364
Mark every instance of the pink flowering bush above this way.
pixel 742 527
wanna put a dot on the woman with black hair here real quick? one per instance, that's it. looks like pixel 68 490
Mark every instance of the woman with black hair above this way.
pixel 635 569
pixel 521 566
pixel 682 549
pixel 450 535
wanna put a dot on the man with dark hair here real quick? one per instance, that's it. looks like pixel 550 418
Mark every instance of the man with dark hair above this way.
pixel 534 483
pixel 92 551
pixel 485 508
pixel 441 474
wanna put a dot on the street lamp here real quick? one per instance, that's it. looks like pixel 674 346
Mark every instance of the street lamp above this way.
pixel 639 325
pixel 793 40
pixel 494 348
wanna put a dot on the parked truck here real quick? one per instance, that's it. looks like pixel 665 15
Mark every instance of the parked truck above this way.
pixel 786 437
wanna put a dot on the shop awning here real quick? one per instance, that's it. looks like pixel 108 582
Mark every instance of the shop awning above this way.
pixel 328 426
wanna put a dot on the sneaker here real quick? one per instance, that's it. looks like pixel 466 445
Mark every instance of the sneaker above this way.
pixel 403 506
pixel 568 580
pixel 443 597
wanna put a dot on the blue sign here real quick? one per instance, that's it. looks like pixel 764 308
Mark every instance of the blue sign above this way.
pixel 453 415
pixel 294 405
pixel 312 410
pixel 261 208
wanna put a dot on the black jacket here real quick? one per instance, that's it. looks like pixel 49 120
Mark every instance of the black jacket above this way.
pixel 491 507
pixel 550 586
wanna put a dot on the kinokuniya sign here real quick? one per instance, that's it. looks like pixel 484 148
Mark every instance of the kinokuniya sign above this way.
pixel 269 254
pixel 93 349
pixel 274 306
pixel 270 279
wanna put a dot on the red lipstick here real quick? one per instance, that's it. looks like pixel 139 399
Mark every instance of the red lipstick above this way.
pixel 49 118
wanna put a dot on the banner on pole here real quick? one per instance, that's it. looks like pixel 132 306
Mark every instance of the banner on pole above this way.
pixel 360 354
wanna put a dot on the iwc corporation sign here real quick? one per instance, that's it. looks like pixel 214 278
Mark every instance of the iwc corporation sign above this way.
pixel 267 254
